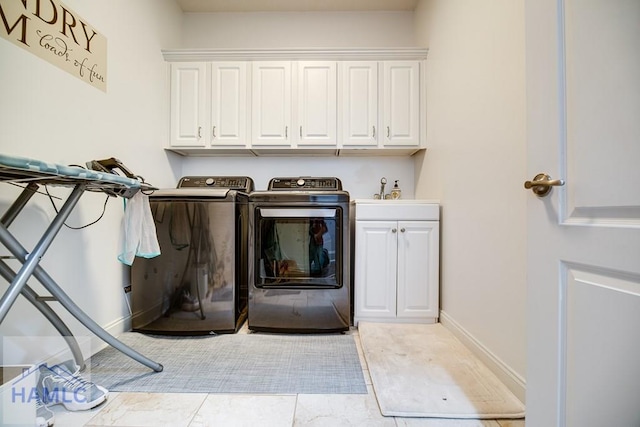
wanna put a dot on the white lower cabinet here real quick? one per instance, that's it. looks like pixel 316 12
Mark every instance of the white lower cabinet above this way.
pixel 396 263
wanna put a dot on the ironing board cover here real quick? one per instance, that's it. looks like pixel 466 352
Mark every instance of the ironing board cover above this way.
pixel 23 169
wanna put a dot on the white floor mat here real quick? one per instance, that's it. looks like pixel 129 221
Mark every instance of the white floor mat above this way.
pixel 424 371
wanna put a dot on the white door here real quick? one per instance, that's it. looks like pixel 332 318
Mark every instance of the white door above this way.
pixel 188 104
pixel 228 103
pixel 360 103
pixel 271 103
pixel 583 110
pixel 418 255
pixel 317 104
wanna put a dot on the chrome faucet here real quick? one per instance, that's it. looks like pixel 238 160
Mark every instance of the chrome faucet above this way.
pixel 383 181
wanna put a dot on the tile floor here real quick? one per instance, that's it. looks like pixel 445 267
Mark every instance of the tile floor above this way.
pixel 230 410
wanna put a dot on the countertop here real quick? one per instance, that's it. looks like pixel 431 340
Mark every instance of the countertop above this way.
pixel 396 201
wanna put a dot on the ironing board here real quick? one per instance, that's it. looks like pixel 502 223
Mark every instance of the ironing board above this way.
pixel 33 174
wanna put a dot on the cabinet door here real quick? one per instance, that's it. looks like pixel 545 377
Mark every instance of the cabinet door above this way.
pixel 375 269
pixel 188 104
pixel 317 105
pixel 228 103
pixel 401 101
pixel 271 103
pixel 418 259
pixel 360 103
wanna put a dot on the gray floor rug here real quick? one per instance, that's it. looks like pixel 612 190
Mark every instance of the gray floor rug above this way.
pixel 237 363
pixel 424 371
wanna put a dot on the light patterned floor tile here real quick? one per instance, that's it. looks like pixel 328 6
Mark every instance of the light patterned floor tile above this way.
pixel 239 410
pixel 444 422
pixel 80 418
pixel 149 409
pixel 320 410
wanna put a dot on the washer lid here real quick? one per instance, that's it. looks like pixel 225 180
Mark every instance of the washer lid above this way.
pixel 194 192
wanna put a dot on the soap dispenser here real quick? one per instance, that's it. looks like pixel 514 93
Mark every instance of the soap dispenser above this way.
pixel 395 191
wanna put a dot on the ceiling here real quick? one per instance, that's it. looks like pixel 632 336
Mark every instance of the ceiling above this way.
pixel 203 6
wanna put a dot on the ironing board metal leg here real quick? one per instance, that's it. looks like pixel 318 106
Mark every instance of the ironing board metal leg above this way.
pixel 18 204
pixel 31 262
pixel 43 277
pixel 47 312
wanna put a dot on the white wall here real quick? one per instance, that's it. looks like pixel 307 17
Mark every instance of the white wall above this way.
pixel 298 29
pixel 475 164
pixel 359 176
pixel 48 114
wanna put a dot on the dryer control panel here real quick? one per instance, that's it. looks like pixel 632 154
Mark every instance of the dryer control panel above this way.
pixel 305 183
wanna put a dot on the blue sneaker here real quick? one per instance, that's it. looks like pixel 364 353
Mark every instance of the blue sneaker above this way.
pixel 63 384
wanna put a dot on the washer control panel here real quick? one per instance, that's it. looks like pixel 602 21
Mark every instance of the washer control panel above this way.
pixel 240 183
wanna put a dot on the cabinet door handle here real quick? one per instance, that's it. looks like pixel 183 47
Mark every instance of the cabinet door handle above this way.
pixel 286 132
pixel 402 230
pixel 393 230
pixel 214 132
pixel 300 131
pixel 388 132
pixel 199 132
pixel 374 132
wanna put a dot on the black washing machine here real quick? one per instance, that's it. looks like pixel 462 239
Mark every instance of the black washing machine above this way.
pixel 199 284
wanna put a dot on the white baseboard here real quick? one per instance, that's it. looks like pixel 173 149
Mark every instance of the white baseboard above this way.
pixel 508 376
pixel 89 343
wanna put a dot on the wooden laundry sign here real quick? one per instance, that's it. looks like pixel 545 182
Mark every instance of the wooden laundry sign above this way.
pixel 55 33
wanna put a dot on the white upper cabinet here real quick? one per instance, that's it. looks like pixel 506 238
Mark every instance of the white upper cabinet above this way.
pixel 316 103
pixel 208 104
pixel 401 102
pixel 313 86
pixel 297 101
pixel 360 103
pixel 381 104
pixel 271 103
pixel 228 104
pixel 188 104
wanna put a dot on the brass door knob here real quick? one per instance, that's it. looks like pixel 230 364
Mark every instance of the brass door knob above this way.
pixel 542 184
